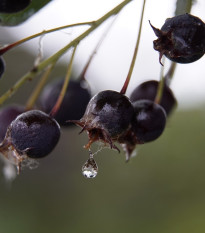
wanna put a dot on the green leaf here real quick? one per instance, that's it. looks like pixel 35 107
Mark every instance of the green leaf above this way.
pixel 20 17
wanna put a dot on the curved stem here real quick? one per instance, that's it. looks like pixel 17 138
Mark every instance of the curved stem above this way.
pixel 10 46
pixel 124 88
pixel 64 87
pixel 34 95
pixel 31 74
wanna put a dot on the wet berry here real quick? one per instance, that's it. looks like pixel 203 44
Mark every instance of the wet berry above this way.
pixel 33 133
pixel 13 6
pixel 74 102
pixel 107 116
pixel 148 90
pixel 2 66
pixel 181 38
pixel 149 121
pixel 7 115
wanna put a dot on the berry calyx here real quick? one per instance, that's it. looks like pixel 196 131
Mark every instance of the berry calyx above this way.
pixel 107 116
pixel 181 38
pixel 74 102
pixel 148 90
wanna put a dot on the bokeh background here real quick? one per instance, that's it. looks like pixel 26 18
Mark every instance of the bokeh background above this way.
pixel 160 190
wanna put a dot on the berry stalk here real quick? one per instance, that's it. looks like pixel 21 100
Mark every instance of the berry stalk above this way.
pixel 64 87
pixel 31 74
pixel 124 88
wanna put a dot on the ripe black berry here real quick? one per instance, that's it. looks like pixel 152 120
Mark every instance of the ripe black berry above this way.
pixel 74 102
pixel 34 133
pixel 2 66
pixel 149 121
pixel 107 116
pixel 13 6
pixel 148 90
pixel 7 115
pixel 181 38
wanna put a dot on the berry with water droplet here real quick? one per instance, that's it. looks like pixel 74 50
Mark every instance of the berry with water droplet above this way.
pixel 107 116
pixel 148 90
pixel 13 6
pixel 181 38
pixel 33 133
pixel 7 115
pixel 74 102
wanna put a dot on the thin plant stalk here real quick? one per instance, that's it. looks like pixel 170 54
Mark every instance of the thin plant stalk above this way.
pixel 64 87
pixel 125 86
pixel 31 74
pixel 34 95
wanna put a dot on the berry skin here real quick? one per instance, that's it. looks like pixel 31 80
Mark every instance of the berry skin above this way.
pixel 34 133
pixel 74 102
pixel 148 90
pixel 13 6
pixel 107 116
pixel 149 121
pixel 181 39
pixel 7 115
pixel 2 66
pixel 147 125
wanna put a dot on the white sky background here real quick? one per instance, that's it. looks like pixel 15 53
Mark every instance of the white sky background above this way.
pixel 110 66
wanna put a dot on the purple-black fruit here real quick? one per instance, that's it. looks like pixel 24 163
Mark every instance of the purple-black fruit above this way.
pixel 13 6
pixel 148 90
pixel 181 38
pixel 74 102
pixel 7 115
pixel 2 66
pixel 33 133
pixel 107 116
pixel 149 121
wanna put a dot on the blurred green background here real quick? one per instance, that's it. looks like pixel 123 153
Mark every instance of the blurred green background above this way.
pixel 160 190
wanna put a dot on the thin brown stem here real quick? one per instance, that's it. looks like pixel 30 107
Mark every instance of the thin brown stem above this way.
pixel 125 86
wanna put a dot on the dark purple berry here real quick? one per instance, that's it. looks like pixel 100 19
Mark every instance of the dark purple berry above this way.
pixel 107 116
pixel 13 6
pixel 148 90
pixel 149 121
pixel 181 38
pixel 74 103
pixel 34 133
pixel 7 115
pixel 2 66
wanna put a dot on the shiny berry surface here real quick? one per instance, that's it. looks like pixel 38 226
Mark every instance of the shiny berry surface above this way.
pixel 7 115
pixel 34 133
pixel 149 121
pixel 74 102
pixel 13 6
pixel 181 38
pixel 148 90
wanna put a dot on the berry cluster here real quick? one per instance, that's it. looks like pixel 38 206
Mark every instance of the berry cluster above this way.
pixel 109 116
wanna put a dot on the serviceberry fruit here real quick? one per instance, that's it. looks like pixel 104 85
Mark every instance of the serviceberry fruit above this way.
pixel 13 6
pixel 148 90
pixel 149 121
pixel 107 116
pixel 7 115
pixel 74 102
pixel 33 133
pixel 2 66
pixel 181 38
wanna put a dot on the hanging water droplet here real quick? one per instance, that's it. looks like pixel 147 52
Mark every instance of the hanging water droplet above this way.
pixel 90 168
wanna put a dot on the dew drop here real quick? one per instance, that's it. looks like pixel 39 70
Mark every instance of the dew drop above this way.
pixel 90 168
